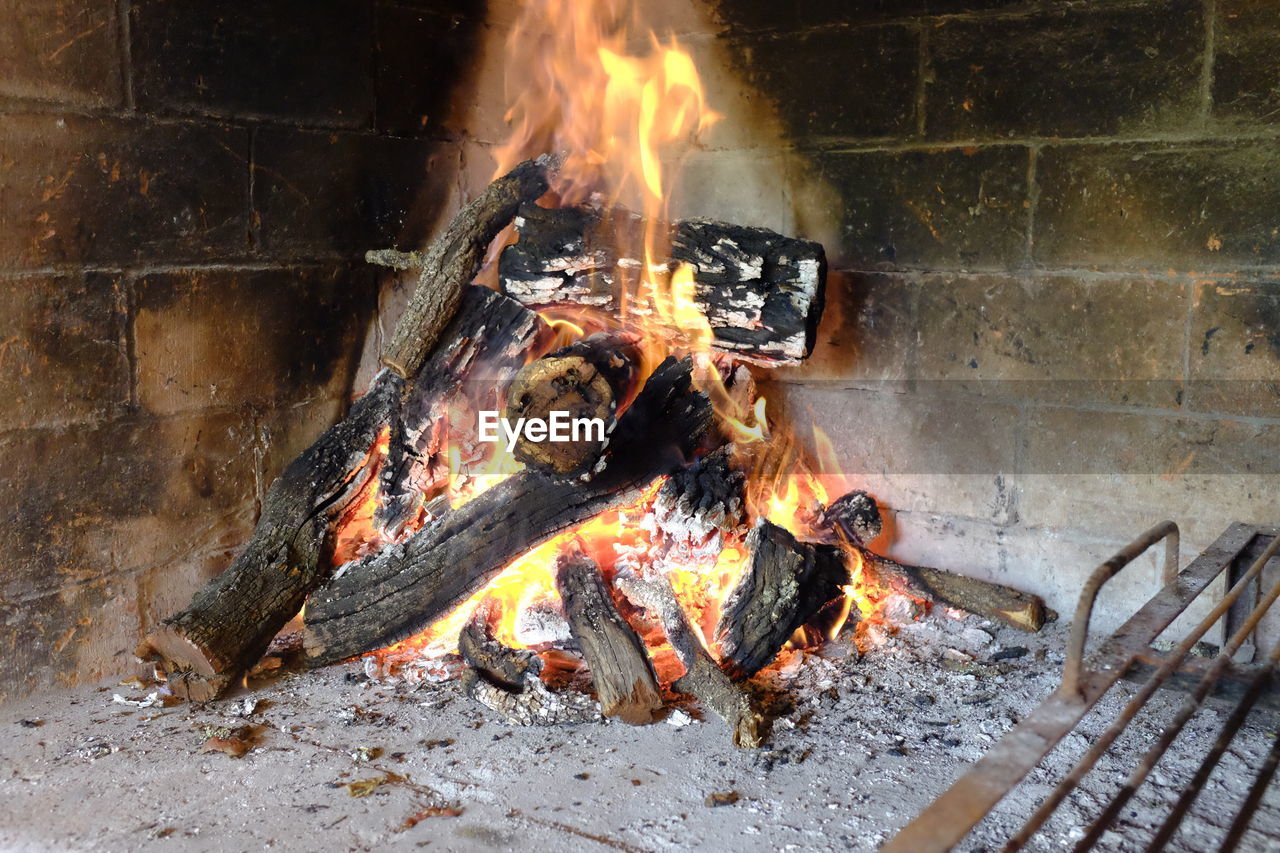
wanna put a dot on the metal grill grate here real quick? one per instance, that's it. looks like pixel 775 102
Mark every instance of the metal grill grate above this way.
pixel 1241 555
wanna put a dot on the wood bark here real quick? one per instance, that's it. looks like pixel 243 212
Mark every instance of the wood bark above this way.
pixel 761 293
pixel 990 600
pixel 703 677
pixel 489 338
pixel 391 595
pixel 453 260
pixel 620 668
pixel 787 583
pixel 587 380
pixel 229 622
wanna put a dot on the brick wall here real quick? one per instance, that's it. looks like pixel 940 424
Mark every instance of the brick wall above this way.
pixel 185 192
pixel 1055 236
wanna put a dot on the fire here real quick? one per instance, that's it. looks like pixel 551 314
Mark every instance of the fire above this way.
pixel 622 106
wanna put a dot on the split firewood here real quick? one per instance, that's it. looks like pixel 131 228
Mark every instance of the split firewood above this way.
pixel 703 678
pixel 787 584
pixel 508 681
pixel 584 384
pixel 620 668
pixel 228 624
pixel 761 293
pixel 854 520
pixel 490 337
pixel 696 507
pixel 390 595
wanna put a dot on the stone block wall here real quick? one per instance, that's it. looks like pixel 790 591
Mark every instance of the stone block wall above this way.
pixel 186 191
pixel 1054 229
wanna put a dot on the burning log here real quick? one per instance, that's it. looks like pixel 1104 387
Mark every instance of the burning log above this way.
pixel 761 293
pixel 508 681
pixel 787 584
pixel 490 336
pixel 855 520
pixel 231 620
pixel 703 678
pixel 697 506
pixel 586 381
pixel 396 592
pixel 620 669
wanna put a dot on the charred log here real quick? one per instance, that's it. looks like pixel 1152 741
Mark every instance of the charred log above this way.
pixel 584 382
pixel 703 678
pixel 697 506
pixel 990 600
pixel 488 338
pixel 453 260
pixel 761 293
pixel 231 620
pixel 786 585
pixel 229 623
pixel 508 681
pixel 620 669
pixel 390 595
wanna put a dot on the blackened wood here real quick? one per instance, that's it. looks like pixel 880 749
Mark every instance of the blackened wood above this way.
pixel 508 681
pixel 983 598
pixel 703 678
pixel 787 583
pixel 453 260
pixel 490 337
pixel 696 507
pixel 588 381
pixel 855 515
pixel 761 293
pixel 231 620
pixel 620 668
pixel 499 664
pixel 391 595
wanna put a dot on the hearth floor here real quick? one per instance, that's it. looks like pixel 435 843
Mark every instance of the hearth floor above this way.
pixel 871 740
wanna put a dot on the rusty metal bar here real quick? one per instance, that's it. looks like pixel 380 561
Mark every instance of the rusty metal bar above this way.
pixel 1196 699
pixel 950 818
pixel 1257 687
pixel 1245 816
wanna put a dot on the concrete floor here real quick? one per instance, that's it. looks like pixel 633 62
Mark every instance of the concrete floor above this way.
pixel 870 740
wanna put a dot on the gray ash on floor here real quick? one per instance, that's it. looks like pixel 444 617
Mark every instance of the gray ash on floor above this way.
pixel 334 760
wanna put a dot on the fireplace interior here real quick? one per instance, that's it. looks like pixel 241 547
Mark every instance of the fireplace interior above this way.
pixel 900 319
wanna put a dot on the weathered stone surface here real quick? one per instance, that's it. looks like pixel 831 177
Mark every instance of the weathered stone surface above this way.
pixel 803 14
pixel 305 59
pixel 1083 71
pixel 103 190
pixel 911 451
pixel 876 68
pixel 1203 205
pixel 62 349
pixel 284 432
pixel 1054 338
pixel 422 57
pixel 60 50
pixel 1246 63
pixel 93 502
pixel 211 338
pixel 326 193
pixel 867 336
pixel 1235 348
pixel 940 209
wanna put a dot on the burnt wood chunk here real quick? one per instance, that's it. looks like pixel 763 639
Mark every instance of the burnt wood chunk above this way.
pixel 390 595
pixel 583 383
pixel 620 668
pixel 490 336
pixel 453 260
pixel 697 506
pixel 760 292
pixel 508 681
pixel 703 678
pixel 231 620
pixel 855 515
pixel 786 585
